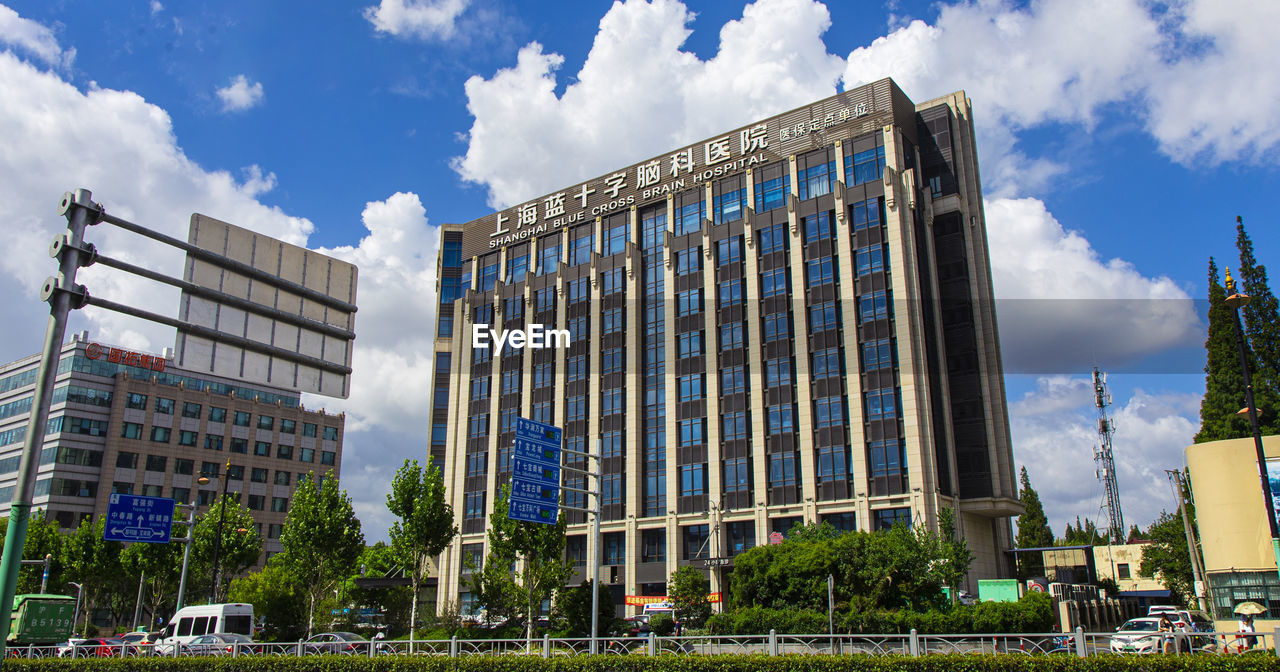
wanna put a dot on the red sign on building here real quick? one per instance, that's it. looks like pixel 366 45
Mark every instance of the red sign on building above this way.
pixel 126 357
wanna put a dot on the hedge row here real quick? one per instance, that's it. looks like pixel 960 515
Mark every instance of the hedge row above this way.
pixel 724 663
pixel 1032 613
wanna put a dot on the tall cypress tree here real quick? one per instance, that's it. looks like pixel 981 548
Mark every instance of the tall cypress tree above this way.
pixel 1223 382
pixel 1033 526
pixel 1262 322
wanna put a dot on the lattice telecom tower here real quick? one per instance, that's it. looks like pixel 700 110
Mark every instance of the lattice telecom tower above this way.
pixel 1106 466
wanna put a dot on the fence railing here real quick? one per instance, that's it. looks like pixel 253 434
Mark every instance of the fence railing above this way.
pixel 1078 643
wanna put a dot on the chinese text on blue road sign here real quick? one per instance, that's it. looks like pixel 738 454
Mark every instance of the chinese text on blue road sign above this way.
pixel 138 518
pixel 535 473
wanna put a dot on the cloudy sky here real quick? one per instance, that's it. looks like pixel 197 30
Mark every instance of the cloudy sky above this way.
pixel 1118 140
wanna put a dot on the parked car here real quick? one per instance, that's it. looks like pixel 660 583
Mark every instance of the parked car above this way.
pixel 97 647
pixel 1137 635
pixel 336 642
pixel 220 644
pixel 1158 609
pixel 638 626
pixel 204 619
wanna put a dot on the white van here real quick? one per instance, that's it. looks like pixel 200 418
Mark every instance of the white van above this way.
pixel 191 622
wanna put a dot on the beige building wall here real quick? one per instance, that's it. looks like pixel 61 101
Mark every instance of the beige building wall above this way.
pixel 1120 562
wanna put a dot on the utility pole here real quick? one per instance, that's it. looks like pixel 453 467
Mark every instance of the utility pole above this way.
pixel 186 552
pixel 1193 546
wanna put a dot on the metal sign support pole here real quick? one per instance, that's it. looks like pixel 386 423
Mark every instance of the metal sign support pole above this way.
pixel 186 553
pixel 595 578
pixel 63 296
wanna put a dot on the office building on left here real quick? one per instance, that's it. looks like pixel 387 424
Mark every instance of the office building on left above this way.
pixel 129 422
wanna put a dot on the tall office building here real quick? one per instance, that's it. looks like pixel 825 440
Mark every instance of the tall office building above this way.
pixel 133 423
pixel 791 321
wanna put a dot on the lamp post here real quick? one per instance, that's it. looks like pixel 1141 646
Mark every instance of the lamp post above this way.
pixel 217 537
pixel 1237 300
pixel 79 591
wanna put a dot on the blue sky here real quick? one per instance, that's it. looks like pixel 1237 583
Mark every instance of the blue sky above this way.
pixel 1118 142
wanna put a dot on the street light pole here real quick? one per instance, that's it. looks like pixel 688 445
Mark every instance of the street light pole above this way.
pixel 186 552
pixel 1236 300
pixel 79 591
pixel 217 538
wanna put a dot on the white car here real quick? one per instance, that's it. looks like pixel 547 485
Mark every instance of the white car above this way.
pixel 1138 635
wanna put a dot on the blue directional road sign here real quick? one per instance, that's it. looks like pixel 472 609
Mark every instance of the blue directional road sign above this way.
pixel 138 518
pixel 533 512
pixel 535 472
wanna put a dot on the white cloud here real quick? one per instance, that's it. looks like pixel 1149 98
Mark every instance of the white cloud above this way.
pixel 424 19
pixel 240 94
pixel 1055 433
pixel 1062 308
pixel 156 7
pixel 33 38
pixel 638 93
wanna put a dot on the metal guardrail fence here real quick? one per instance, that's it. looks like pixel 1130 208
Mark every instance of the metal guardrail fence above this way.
pixel 1078 643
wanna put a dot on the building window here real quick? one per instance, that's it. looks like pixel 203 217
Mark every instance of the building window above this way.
pixel 691 387
pixel 817 227
pixel 692 432
pixel 824 316
pixel 828 412
pixel 190 410
pixel 866 166
pixel 542 411
pixel 614 547
pixel 576 368
pixel 261 448
pixel 729 251
pixel 826 364
pixel 688 211
pixel 615 237
pixel 613 321
pixel 328 458
pixel 611 402
pixel 773 187
pixel 773 239
pixel 693 480
pixel 842 522
pixel 576 290
pixel 866 214
pixel 1122 571
pixel 473 505
pixel 822 271
pixel 731 336
pixel 887 518
pixel 581 245
pixel 879 354
pixel 773 283
pixel 122 488
pixel 214 442
pixel 329 434
pixel 653 545
pixel 125 460
pixel 217 414
pixel 548 254
pixel 781 419
pixel 308 429
pixel 280 504
pixel 512 309
pixel 284 452
pixel 235 472
pixel 157 463
pixel 188 438
pixel 730 293
pixel 688 261
pixel 728 204
pixel 816 172
pixel 575 550
pixel 575 408
pixel 510 381
pixel 782 470
pixel 777 372
pixel 733 426
pixel 742 536
pixel 210 469
pixel 152 490
pixel 870 259
pixel 544 299
pixel 164 406
pixel 733 380
pixel 258 475
pixel 288 426
pixel 479 388
pixel 488 278
pixel 541 377
pixel 136 401
pixel 517 266
pixel 131 430
pixel 266 422
pixel 611 361
pixel 611 489
pixel 181 495
pixel 256 502
pixel 241 419
pixel 695 538
pixel 888 466
pixel 883 403
pixel 282 477
pixel 688 302
pixel 160 434
pixel 611 444
pixel 183 467
pixel 833 464
pixel 737 475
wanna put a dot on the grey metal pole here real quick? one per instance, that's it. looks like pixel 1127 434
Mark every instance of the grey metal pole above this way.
pixel 595 561
pixel 137 606
pixel 76 615
pixel 831 605
pixel 44 579
pixel 186 553
pixel 63 296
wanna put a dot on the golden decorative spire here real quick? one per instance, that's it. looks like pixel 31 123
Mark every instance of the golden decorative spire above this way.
pixel 1231 283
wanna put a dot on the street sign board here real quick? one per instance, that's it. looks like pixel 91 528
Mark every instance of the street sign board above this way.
pixel 538 431
pixel 537 492
pixel 532 512
pixel 138 518
pixel 535 472
pixel 536 452
pixel 289 311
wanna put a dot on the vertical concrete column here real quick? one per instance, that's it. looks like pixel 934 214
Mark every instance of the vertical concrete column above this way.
pixel 755 388
pixel 805 471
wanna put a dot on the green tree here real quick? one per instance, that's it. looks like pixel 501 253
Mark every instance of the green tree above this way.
pixel 1033 526
pixel 1083 534
pixel 277 597
pixel 572 613
pixel 1167 557
pixel 393 602
pixel 952 551
pixel 43 538
pixel 543 567
pixel 1224 381
pixel 689 594
pixel 425 526
pixel 238 550
pixel 94 563
pixel 321 539
pixel 1262 323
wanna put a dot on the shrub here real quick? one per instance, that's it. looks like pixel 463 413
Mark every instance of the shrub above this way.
pixel 662 625
pixel 1032 613
pixel 759 620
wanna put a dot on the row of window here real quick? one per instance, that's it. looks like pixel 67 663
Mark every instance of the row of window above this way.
pixel 191 439
pixel 166 406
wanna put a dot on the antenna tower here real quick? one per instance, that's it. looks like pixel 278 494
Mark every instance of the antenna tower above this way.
pixel 1105 465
